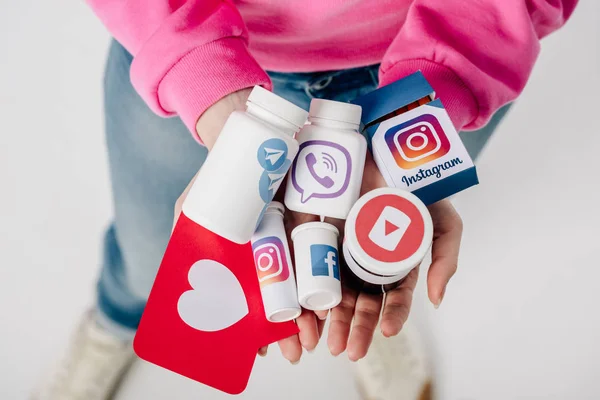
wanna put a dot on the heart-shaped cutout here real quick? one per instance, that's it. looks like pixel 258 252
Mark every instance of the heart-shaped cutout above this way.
pixel 216 301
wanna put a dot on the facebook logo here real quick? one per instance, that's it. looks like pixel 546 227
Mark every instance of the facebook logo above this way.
pixel 324 261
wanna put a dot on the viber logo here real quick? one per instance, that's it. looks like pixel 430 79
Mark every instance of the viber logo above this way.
pixel 321 170
pixel 417 141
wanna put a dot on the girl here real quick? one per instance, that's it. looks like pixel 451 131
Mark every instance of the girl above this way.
pixel 197 59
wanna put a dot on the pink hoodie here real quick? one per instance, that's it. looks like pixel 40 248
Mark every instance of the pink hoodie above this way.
pixel 477 54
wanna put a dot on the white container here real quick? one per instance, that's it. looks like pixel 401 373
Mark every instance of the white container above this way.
pixel 387 234
pixel 274 267
pixel 245 167
pixel 317 265
pixel 326 176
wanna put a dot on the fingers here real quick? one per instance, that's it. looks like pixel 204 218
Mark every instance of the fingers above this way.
pixel 320 327
pixel 340 322
pixel 309 330
pixel 308 337
pixel 322 315
pixel 366 316
pixel 263 351
pixel 397 305
pixel 291 349
pixel 444 253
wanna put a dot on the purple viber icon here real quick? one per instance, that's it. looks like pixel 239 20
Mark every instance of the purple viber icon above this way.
pixel 321 170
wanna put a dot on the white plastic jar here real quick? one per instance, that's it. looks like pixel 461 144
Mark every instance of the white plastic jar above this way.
pixel 326 177
pixel 317 265
pixel 387 234
pixel 246 166
pixel 274 267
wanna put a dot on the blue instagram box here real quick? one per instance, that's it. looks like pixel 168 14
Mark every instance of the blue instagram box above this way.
pixel 413 140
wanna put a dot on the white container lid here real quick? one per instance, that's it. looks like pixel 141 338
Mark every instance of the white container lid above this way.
pixel 365 275
pixel 320 299
pixel 275 207
pixel 318 292
pixel 278 105
pixel 388 231
pixel 335 111
pixel 314 225
pixel 284 314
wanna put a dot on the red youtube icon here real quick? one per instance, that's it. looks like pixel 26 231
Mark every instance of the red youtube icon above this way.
pixel 389 228
pixel 204 318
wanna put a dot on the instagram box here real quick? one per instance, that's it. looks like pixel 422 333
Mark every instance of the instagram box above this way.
pixel 413 140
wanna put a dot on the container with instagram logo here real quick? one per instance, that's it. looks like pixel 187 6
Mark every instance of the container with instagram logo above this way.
pixel 274 267
pixel 326 176
pixel 413 140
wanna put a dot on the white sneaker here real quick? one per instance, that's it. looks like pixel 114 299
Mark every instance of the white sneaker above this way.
pixel 94 363
pixel 395 368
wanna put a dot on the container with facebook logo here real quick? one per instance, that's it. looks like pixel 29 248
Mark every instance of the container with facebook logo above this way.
pixel 413 140
pixel 317 265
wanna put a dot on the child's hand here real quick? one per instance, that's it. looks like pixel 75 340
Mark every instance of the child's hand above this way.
pixel 366 309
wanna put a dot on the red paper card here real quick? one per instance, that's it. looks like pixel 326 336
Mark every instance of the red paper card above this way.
pixel 205 318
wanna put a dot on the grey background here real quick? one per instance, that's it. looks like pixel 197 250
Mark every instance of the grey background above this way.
pixel 520 320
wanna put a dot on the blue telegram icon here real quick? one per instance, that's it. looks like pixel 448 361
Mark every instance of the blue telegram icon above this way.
pixel 272 154
pixel 324 261
pixel 270 181
pixel 272 157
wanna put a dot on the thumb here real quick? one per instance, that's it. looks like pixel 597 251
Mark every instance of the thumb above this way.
pixel 447 231
pixel 180 200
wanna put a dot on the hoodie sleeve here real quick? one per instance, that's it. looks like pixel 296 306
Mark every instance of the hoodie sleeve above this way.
pixel 187 54
pixel 477 54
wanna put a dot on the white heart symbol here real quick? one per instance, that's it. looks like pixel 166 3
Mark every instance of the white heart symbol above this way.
pixel 217 300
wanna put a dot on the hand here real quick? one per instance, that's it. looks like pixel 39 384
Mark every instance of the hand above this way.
pixel 208 128
pixel 366 309
pixel 210 123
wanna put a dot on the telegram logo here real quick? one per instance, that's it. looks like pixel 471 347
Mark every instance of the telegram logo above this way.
pixel 272 154
pixel 272 157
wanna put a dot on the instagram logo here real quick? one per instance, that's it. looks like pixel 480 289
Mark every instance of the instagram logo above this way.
pixel 417 141
pixel 270 261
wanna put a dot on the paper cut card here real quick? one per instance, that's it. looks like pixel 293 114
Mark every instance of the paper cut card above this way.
pixel 205 318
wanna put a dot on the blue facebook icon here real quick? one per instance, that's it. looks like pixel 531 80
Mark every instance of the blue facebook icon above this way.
pixel 324 261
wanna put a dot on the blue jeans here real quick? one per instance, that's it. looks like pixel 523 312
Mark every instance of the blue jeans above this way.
pixel 153 159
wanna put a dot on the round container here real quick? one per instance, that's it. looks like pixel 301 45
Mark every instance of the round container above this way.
pixel 245 167
pixel 274 267
pixel 326 176
pixel 388 233
pixel 317 265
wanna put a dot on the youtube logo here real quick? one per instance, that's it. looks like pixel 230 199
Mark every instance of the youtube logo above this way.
pixel 389 228
pixel 388 232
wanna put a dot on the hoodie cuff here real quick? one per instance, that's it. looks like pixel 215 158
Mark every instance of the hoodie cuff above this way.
pixel 207 74
pixel 459 101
